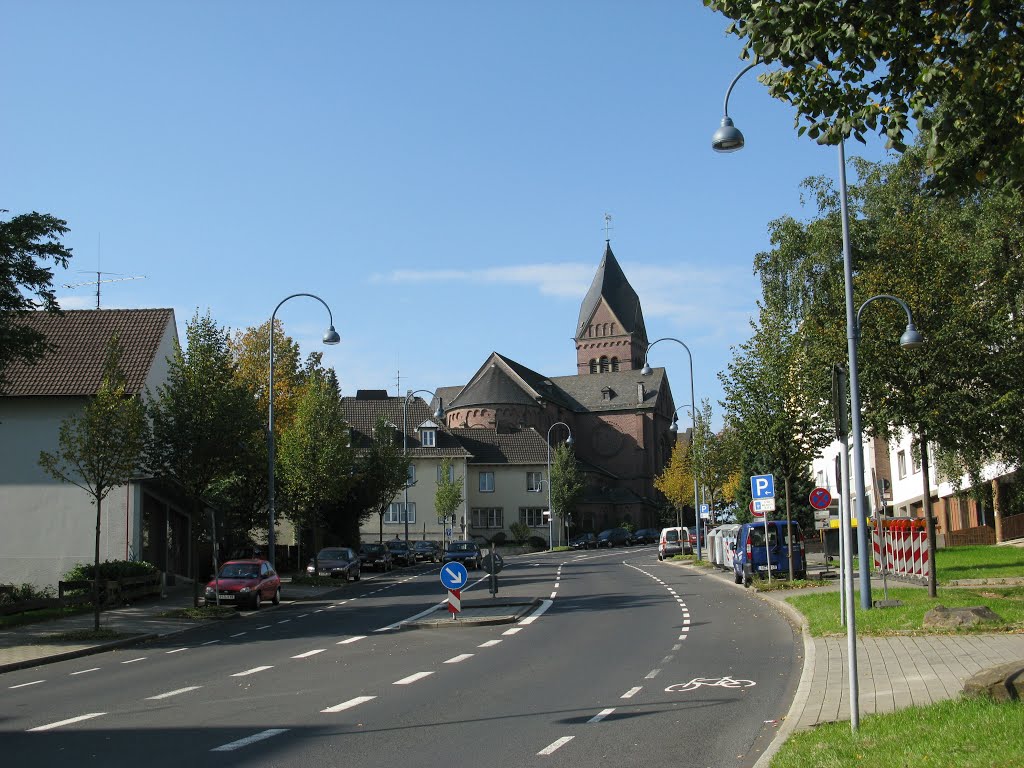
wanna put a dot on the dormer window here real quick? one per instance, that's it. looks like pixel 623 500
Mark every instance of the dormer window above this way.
pixel 607 393
pixel 428 434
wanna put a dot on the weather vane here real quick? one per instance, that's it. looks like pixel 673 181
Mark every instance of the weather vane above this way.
pixel 608 227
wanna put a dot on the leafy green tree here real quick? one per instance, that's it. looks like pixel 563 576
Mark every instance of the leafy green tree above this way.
pixel 204 423
pixel 520 531
pixel 448 495
pixel 953 69
pixel 381 472
pixel 250 350
pixel 27 242
pixel 566 482
pixel 101 447
pixel 676 480
pixel 315 458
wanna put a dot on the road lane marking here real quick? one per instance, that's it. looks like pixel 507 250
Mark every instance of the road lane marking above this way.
pixel 349 704
pixel 352 639
pixel 173 693
pixel 686 622
pixel 677 646
pixel 178 650
pixel 419 615
pixel 25 685
pixel 601 715
pixel 631 692
pixel 555 745
pixel 412 678
pixel 265 626
pixel 302 616
pixel 252 671
pixel 307 654
pixel 249 740
pixel 512 631
pixel 69 721
pixel 208 642
pixel 132 661
pixel 553 594
pixel 452 660
pixel 239 634
pixel 667 659
pixel 284 621
pixel 83 671
pixel 545 604
pixel 652 674
pixel 488 644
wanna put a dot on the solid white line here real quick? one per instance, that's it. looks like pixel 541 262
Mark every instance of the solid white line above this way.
pixel 512 631
pixel 545 604
pixel 249 740
pixel 412 678
pixel 488 644
pixel 173 693
pixel 652 674
pixel 132 661
pixel 555 745
pixel 452 660
pixel 631 692
pixel 178 650
pixel 307 654
pixel 419 615
pixel 352 639
pixel 69 721
pixel 83 671
pixel 252 671
pixel 349 704
pixel 24 685
pixel 601 715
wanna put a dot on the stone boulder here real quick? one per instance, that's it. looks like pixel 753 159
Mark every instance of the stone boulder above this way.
pixel 1002 683
pixel 951 618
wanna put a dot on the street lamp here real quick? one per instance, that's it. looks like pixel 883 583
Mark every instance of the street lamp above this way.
pixel 551 512
pixel 330 337
pixel 673 429
pixel 646 371
pixel 439 415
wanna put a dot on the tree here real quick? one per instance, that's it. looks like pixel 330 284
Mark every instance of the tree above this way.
pixel 315 458
pixel 382 471
pixel 204 423
pixel 27 242
pixel 100 447
pixel 566 483
pixel 676 480
pixel 448 495
pixel 853 68
pixel 250 351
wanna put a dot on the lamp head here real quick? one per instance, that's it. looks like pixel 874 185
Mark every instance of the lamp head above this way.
pixel 674 426
pixel 646 370
pixel 911 338
pixel 439 413
pixel 728 137
pixel 568 440
pixel 331 336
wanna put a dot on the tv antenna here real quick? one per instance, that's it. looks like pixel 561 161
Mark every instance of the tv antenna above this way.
pixel 100 281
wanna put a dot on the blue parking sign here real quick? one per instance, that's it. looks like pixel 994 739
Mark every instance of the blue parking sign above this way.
pixel 762 486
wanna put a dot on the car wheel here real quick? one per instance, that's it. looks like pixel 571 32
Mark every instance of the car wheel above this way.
pixel 277 596
pixel 660 557
pixel 257 601
pixel 359 575
pixel 737 578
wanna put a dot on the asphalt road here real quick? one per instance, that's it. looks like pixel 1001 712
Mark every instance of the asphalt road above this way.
pixel 601 673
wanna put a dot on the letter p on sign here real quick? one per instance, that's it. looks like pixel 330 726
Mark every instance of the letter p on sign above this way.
pixel 762 486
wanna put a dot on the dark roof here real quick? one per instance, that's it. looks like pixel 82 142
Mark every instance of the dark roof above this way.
pixel 586 393
pixel 610 283
pixel 490 447
pixel 362 413
pixel 79 338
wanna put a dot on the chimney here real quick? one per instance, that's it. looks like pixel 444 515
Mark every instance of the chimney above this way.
pixel 640 393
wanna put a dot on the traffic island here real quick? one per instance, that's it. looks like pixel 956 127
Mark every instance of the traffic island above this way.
pixel 475 613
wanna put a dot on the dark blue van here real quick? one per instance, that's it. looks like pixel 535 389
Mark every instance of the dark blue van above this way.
pixel 753 554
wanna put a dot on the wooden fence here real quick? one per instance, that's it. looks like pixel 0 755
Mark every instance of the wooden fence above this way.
pixel 79 593
pixel 1013 527
pixel 968 536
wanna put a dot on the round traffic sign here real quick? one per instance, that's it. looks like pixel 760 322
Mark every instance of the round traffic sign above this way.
pixel 820 498
pixel 754 510
pixel 454 575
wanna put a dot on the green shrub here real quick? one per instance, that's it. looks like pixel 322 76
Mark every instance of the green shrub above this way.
pixel 536 542
pixel 111 570
pixel 20 593
pixel 499 538
pixel 520 530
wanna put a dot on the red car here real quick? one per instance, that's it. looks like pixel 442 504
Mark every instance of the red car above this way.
pixel 245 582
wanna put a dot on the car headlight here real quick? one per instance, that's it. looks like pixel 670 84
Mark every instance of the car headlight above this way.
pixel 310 569
pixel 245 590
pixel 210 591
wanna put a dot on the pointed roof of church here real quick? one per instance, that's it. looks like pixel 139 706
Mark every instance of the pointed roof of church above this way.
pixel 610 284
pixel 501 380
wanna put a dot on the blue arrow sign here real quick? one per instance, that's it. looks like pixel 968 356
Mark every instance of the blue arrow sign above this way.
pixel 454 575
pixel 762 486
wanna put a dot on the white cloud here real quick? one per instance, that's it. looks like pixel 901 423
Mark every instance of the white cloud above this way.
pixel 570 280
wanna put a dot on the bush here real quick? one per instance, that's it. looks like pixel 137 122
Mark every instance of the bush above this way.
pixel 520 530
pixel 536 542
pixel 111 570
pixel 499 538
pixel 20 593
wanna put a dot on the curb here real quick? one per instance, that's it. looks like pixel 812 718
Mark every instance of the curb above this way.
pixel 481 621
pixel 79 652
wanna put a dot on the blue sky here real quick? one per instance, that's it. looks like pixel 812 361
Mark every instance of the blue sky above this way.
pixel 437 172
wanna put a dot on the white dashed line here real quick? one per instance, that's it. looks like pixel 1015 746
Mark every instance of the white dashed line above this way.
pixel 686 622
pixel 249 740
pixel 208 642
pixel 631 692
pixel 512 631
pixel 553 595
pixel 173 693
pixel 25 685
pixel 132 661
pixel 460 657
pixel 488 644
pixel 601 715
pixel 83 671
pixel 652 674
pixel 239 634
pixel 677 646
pixel 349 704
pixel 412 678
pixel 307 654
pixel 667 659
pixel 265 626
pixel 69 721
pixel 302 616
pixel 555 745
pixel 352 639
pixel 252 671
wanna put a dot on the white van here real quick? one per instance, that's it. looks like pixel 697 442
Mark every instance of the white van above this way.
pixel 673 541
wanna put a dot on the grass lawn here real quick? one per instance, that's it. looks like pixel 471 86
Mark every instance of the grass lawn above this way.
pixel 966 733
pixel 980 562
pixel 822 610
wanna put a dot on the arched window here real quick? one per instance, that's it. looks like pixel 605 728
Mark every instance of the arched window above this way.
pixel 615 363
pixel 613 329
pixel 593 366
pixel 604 329
pixel 604 364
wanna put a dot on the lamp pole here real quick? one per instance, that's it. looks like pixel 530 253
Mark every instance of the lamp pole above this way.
pixel 674 431
pixel 439 415
pixel 330 337
pixel 647 371
pixel 551 512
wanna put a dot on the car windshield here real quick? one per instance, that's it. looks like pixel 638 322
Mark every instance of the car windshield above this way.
pixel 397 545
pixel 239 571
pixel 373 548
pixel 671 535
pixel 424 545
pixel 333 554
pixel 462 546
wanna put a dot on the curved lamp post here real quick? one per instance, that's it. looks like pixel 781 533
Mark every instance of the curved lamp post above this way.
pixel 330 337
pixel 673 429
pixel 551 512
pixel 439 415
pixel 646 371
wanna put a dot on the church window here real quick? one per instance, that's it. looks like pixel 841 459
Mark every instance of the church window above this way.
pixel 613 329
pixel 604 329
pixel 615 363
pixel 593 366
pixel 604 364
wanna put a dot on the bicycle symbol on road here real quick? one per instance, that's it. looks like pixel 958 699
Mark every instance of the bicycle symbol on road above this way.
pixel 711 682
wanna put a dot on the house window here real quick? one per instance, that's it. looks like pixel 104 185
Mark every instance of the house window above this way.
pixel 411 475
pixel 532 516
pixel 901 464
pixel 451 473
pixel 820 479
pixel 428 438
pixel 488 517
pixel 533 481
pixel 916 460
pixel 394 514
pixel 486 482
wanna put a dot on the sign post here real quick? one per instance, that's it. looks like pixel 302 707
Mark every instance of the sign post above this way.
pixel 762 492
pixel 453 578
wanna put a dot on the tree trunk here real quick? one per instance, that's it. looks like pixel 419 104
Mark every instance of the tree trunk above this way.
pixel 193 529
pixel 929 520
pixel 96 563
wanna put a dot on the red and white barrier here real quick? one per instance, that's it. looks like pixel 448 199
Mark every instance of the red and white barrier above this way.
pixel 906 553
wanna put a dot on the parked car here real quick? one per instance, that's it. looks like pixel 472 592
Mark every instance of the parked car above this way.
pixel 673 541
pixel 752 553
pixel 584 541
pixel 645 536
pixel 401 553
pixel 336 562
pixel 692 533
pixel 614 537
pixel 247 582
pixel 427 551
pixel 466 552
pixel 376 556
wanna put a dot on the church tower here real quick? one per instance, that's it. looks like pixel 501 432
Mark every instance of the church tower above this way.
pixel 610 334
